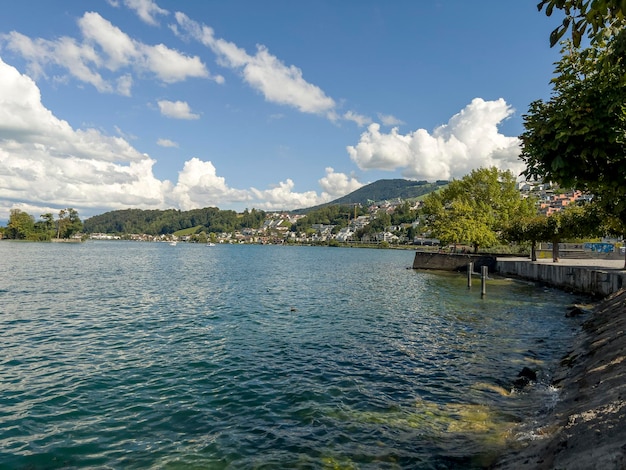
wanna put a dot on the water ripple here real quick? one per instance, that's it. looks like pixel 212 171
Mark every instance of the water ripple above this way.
pixel 130 355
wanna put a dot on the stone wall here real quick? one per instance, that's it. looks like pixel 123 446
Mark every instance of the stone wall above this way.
pixel 597 282
pixel 452 261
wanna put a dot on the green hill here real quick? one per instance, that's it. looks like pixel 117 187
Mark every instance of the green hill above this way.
pixel 384 190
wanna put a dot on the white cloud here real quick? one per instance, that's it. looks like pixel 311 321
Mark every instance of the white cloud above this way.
pixel 359 119
pixel 124 134
pixel 46 164
pixel 338 184
pixel 199 186
pixel 279 83
pixel 166 143
pixel 176 110
pixel 172 66
pixel 282 196
pixel 469 140
pixel 64 52
pixel 389 120
pixel 119 49
pixel 105 49
pixel 147 10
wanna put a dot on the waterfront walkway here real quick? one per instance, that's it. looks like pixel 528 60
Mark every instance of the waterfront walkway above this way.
pixel 593 263
pixel 593 276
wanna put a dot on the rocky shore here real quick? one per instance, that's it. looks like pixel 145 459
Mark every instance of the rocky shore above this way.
pixel 587 427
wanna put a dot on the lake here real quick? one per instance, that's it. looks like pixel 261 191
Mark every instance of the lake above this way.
pixel 145 355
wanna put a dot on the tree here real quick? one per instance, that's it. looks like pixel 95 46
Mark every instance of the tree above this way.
pixel 21 225
pixel 61 222
pixel 47 221
pixel 578 137
pixel 572 222
pixel 381 222
pixel 476 209
pixel 583 16
pixel 68 223
pixel 458 222
pixel 575 221
pixel 528 229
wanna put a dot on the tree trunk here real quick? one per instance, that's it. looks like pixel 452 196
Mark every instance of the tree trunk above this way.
pixel 555 252
pixel 533 251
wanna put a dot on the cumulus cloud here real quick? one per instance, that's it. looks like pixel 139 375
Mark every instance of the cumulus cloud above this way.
pixel 43 161
pixel 282 196
pixel 338 184
pixel 469 140
pixel 45 164
pixel 166 143
pixel 199 186
pixel 176 110
pixel 105 56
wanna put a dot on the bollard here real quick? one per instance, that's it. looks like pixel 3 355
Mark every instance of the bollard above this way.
pixel 470 269
pixel 483 281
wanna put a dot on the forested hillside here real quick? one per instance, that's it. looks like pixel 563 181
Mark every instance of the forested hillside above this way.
pixel 158 222
pixel 390 189
pixel 382 190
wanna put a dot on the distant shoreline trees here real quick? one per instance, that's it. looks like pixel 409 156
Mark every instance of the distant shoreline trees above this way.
pixel 22 226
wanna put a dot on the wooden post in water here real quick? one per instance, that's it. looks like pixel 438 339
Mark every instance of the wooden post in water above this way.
pixel 483 281
pixel 470 269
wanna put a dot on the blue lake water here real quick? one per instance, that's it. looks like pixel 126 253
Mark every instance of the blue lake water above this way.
pixel 146 355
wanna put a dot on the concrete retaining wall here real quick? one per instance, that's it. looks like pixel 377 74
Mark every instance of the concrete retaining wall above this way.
pixel 452 261
pixel 596 282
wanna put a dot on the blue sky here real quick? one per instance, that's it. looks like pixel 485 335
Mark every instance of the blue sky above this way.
pixel 154 104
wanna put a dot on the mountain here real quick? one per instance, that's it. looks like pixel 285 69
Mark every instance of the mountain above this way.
pixel 383 190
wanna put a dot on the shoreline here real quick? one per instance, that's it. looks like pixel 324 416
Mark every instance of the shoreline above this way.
pixel 586 428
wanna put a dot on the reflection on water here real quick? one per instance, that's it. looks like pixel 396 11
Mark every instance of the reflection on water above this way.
pixel 145 355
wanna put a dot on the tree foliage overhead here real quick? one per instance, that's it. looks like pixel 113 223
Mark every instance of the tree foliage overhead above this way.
pixel 475 209
pixel 583 16
pixel 578 137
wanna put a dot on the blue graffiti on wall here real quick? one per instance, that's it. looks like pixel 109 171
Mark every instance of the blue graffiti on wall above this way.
pixel 599 247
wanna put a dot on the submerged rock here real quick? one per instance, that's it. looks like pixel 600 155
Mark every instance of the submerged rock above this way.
pixel 576 311
pixel 525 377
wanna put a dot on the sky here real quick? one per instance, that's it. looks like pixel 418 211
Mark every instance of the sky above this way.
pixel 241 104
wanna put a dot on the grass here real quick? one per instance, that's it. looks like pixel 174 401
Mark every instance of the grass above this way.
pixel 188 231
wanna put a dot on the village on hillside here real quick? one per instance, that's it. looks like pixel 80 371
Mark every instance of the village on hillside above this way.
pixel 277 226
